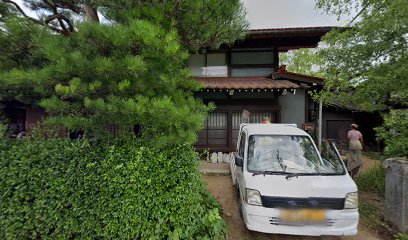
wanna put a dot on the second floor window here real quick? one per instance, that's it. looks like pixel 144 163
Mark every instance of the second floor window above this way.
pixel 243 63
pixel 246 63
pixel 208 65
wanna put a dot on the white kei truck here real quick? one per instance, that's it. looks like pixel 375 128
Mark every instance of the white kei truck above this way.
pixel 285 185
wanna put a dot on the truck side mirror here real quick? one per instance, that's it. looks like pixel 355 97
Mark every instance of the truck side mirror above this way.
pixel 239 162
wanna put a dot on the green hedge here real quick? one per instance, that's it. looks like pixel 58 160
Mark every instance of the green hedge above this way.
pixel 60 189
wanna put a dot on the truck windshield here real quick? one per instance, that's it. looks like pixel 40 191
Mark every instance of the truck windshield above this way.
pixel 287 154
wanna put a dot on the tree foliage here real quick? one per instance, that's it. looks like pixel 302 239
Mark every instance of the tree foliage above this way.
pixel 200 23
pixel 373 51
pixel 18 51
pixel 367 63
pixel 130 71
pixel 121 75
pixel 304 61
pixel 394 132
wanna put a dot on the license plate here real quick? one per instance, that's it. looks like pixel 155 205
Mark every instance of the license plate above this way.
pixel 303 215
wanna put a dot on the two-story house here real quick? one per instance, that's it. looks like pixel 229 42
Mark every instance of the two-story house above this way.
pixel 247 83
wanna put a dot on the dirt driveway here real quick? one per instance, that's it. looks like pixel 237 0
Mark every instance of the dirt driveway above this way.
pixel 221 188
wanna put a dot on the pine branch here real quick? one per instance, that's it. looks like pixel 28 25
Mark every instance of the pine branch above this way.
pixel 19 9
pixel 60 17
pixel 358 14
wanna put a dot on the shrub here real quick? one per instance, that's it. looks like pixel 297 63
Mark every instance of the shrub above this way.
pixel 3 130
pixel 373 180
pixel 394 133
pixel 402 236
pixel 62 189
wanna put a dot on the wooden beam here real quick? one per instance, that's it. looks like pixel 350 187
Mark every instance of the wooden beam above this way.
pixel 229 130
pixel 228 62
pixel 276 59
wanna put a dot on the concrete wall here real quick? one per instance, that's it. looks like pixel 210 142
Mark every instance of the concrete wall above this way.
pixel 293 107
pixel 396 192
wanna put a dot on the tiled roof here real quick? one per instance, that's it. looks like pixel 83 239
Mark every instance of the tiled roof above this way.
pixel 282 73
pixel 246 83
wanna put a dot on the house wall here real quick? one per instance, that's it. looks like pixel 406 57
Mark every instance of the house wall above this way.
pixel 22 118
pixel 15 115
pixel 337 121
pixel 293 107
pixel 33 116
pixel 250 72
pixel 220 132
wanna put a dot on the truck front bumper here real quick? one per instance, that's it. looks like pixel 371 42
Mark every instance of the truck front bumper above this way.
pixel 338 222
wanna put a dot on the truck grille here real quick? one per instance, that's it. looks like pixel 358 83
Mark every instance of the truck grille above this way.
pixel 279 222
pixel 317 203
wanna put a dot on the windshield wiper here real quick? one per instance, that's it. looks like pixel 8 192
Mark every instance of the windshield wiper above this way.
pixel 292 175
pixel 269 172
pixel 331 174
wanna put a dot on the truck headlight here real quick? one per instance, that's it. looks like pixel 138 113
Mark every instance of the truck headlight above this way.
pixel 351 200
pixel 253 197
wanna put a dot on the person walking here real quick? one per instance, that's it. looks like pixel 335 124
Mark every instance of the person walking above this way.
pixel 355 140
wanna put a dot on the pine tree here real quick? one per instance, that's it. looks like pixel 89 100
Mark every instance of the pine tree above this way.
pixel 129 72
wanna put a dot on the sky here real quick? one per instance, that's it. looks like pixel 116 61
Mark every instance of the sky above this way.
pixel 287 14
pixel 277 14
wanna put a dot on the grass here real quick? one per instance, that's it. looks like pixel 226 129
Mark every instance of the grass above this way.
pixel 372 217
pixel 372 181
pixel 375 155
pixel 402 236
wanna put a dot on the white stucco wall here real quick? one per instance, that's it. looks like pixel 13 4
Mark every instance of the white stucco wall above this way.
pixel 293 107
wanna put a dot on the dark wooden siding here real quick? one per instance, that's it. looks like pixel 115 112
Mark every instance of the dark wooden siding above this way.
pixel 221 128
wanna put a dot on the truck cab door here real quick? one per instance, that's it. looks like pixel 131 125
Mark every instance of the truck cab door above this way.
pixel 331 155
pixel 240 164
pixel 237 160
